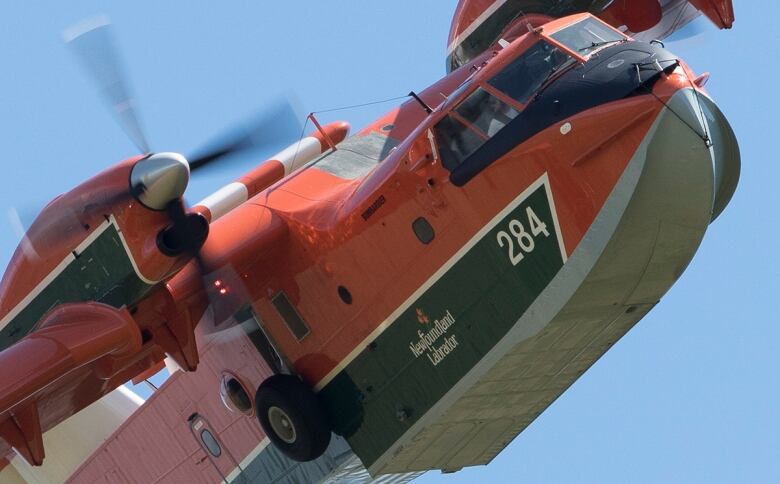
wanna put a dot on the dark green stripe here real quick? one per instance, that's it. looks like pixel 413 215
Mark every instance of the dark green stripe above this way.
pixel 386 389
pixel 102 272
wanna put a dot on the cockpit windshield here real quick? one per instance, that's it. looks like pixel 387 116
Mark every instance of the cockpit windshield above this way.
pixel 476 119
pixel 481 115
pixel 587 35
pixel 525 75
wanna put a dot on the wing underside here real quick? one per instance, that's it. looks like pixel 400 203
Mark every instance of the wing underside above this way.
pixel 478 24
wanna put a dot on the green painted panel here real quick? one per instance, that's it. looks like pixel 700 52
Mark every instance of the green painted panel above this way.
pixel 102 272
pixel 446 332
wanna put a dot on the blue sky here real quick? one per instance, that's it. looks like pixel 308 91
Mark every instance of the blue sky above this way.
pixel 689 395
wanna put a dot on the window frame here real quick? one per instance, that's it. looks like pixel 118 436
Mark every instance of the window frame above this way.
pixel 454 114
pixel 575 58
pixel 582 58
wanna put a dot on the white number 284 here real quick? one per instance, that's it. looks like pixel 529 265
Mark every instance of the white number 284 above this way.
pixel 517 234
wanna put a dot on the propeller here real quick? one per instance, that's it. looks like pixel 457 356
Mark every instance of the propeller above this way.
pixel 690 34
pixel 159 180
pixel 18 226
pixel 279 121
pixel 92 42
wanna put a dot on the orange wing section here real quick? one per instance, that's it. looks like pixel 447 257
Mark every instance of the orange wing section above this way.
pixel 71 336
pixel 720 12
pixel 478 24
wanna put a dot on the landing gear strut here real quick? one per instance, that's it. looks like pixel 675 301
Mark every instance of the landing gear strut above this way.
pixel 292 418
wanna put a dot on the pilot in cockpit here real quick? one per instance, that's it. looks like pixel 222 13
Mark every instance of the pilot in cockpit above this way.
pixel 493 115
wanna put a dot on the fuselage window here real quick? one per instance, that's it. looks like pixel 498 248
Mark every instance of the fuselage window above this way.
pixel 528 73
pixel 475 120
pixel 287 311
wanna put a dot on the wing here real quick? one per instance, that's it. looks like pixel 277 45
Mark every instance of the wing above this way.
pixel 69 358
pixel 478 24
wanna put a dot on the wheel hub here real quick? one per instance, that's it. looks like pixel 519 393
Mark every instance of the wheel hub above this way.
pixel 282 425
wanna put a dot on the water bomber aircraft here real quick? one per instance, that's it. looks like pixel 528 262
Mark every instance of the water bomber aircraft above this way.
pixel 373 306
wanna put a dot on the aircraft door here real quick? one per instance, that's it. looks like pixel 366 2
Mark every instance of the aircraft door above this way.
pixel 431 186
pixel 431 177
pixel 219 455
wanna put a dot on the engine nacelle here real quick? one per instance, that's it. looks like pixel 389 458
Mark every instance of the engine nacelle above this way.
pixel 98 242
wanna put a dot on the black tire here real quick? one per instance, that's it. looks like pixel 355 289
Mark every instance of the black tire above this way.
pixel 291 416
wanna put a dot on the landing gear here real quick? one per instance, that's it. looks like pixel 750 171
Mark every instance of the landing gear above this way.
pixel 292 418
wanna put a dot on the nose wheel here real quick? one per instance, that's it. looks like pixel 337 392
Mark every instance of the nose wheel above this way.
pixel 292 418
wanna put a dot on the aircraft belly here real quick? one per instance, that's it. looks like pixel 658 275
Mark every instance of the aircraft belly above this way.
pixel 490 345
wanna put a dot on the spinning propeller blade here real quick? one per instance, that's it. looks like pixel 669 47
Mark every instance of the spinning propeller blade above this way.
pixel 19 228
pixel 278 123
pixel 690 34
pixel 93 43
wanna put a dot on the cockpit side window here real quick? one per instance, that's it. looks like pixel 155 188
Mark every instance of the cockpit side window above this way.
pixel 486 112
pixel 475 120
pixel 525 75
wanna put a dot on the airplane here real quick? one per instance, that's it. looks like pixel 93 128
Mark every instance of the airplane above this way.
pixel 423 289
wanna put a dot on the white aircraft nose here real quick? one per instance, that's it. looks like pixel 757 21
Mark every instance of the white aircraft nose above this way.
pixel 159 179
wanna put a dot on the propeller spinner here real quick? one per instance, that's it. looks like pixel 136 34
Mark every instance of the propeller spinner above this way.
pixel 159 179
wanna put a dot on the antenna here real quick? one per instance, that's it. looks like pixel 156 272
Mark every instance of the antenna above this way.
pixel 422 103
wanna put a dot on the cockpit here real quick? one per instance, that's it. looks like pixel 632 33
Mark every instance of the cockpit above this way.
pixel 479 117
pixel 498 100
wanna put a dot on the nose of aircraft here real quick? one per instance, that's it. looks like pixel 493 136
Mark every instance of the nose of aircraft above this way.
pixel 159 179
pixel 636 68
pixel 724 151
pixel 692 159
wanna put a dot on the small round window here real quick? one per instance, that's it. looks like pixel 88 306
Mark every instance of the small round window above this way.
pixel 235 395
